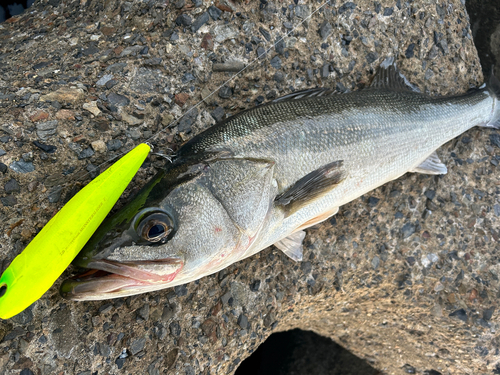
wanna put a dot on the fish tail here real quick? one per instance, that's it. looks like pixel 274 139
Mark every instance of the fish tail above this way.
pixel 493 86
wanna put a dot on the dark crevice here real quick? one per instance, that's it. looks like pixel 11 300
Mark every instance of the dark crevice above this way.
pixel 298 352
pixel 484 18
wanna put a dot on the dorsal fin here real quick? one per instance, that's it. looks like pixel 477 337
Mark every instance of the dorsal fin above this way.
pixel 389 77
pixel 307 93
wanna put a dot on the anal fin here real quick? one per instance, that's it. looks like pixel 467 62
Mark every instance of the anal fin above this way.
pixel 292 245
pixel 431 165
pixel 312 186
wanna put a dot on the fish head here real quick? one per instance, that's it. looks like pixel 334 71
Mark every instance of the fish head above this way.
pixel 174 231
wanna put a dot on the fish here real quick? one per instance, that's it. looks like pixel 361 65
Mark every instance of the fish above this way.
pixel 264 175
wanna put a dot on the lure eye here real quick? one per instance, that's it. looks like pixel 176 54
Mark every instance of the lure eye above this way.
pixel 3 289
pixel 155 227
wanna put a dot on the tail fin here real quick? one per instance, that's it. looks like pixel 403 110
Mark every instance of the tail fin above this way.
pixel 494 89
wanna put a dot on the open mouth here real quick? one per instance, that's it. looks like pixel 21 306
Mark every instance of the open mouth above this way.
pixel 108 278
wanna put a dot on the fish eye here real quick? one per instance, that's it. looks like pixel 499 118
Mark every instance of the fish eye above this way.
pixel 155 227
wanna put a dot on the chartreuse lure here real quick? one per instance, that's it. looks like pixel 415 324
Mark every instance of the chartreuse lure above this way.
pixel 34 271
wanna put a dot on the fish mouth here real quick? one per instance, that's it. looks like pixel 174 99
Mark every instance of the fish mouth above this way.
pixel 106 279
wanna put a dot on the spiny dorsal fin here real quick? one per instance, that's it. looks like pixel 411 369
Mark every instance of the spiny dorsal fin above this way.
pixel 431 165
pixel 312 186
pixel 292 245
pixel 307 93
pixel 389 77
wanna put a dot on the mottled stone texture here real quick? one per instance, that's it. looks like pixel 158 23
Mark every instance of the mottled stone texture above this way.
pixel 406 277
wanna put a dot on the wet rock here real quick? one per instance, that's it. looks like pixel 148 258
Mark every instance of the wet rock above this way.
pixel 104 79
pixel 261 52
pixel 131 51
pixel 325 29
pixel 86 153
pixel 137 345
pixel 276 62
pixel 3 168
pixel 64 333
pixel 93 170
pixel 143 312
pixel 460 314
pixel 146 80
pixel 181 99
pixel 116 68
pixel 49 149
pixel 180 290
pixel 207 42
pixel 39 116
pixel 410 51
pixel 495 139
pixel 131 120
pixel 243 321
pixel 47 129
pixel 325 71
pixel 14 333
pixel 224 32
pixel 119 362
pixel 54 194
pixel 372 201
pixel 99 146
pixel 218 114
pixel 184 20
pixel 230 66
pixel 214 12
pixel 168 313
pixel 265 34
pixel 92 108
pixel 408 229
pixel 225 92
pixel 24 317
pixel 114 145
pixel 278 77
pixel 348 6
pixel 302 11
pixel 65 114
pixel 12 186
pixel 371 57
pixel 2 152
pixel 175 328
pixel 118 100
pixel 22 166
pixel 64 95
pixel 199 22
pixel 8 200
pixel 279 46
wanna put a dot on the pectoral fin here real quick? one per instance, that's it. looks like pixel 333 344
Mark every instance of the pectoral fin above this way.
pixel 431 165
pixel 311 186
pixel 292 245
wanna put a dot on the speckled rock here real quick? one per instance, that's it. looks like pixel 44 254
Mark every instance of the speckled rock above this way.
pixel 404 278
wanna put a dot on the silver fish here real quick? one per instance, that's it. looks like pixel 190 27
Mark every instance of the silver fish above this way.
pixel 261 177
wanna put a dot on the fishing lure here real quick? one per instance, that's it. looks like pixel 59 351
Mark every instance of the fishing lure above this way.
pixel 36 269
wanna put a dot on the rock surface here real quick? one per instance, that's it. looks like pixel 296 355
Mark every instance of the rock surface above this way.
pixel 406 277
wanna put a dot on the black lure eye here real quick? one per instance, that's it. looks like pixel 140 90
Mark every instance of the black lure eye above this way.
pixel 155 227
